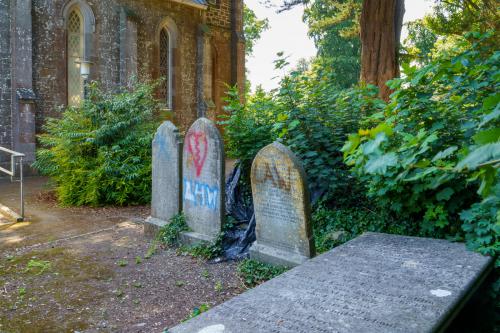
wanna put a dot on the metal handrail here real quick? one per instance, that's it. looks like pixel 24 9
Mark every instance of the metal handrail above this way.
pixel 12 172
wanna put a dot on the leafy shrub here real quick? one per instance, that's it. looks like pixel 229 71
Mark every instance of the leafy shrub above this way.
pixel 308 113
pixel 100 153
pixel 247 129
pixel 254 273
pixel 436 149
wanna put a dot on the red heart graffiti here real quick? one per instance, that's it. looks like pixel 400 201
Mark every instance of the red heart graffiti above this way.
pixel 198 148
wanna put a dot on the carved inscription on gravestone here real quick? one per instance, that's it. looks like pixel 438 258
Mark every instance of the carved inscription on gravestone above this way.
pixel 203 181
pixel 166 177
pixel 282 208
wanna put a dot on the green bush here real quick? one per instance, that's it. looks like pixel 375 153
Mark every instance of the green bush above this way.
pixel 308 113
pixel 247 129
pixel 100 153
pixel 435 152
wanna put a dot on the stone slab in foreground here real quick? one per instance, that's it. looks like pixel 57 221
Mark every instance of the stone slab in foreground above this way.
pixel 374 283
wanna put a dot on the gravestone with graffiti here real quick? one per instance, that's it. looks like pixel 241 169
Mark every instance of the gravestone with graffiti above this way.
pixel 203 182
pixel 282 208
pixel 166 195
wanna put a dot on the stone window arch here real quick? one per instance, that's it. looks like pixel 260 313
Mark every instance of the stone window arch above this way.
pixel 167 45
pixel 80 26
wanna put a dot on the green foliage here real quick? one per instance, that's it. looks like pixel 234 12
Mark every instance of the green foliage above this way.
pixel 460 16
pixel 122 262
pixel 247 129
pixel 335 226
pixel 198 311
pixel 210 250
pixel 252 28
pixel 203 250
pixel 309 114
pixel 169 234
pixel 334 27
pixel 435 152
pixel 420 42
pixel 38 265
pixel 254 273
pixel 482 225
pixel 100 153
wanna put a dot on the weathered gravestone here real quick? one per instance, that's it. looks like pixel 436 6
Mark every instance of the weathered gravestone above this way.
pixel 166 192
pixel 203 182
pixel 375 283
pixel 282 208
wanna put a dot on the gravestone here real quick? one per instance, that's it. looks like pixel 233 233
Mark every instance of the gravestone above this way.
pixel 166 177
pixel 374 283
pixel 282 208
pixel 203 182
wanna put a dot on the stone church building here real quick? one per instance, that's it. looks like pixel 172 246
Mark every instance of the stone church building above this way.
pixel 49 47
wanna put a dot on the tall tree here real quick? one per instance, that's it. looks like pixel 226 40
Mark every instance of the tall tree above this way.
pixel 380 30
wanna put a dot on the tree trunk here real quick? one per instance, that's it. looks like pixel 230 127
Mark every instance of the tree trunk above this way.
pixel 381 24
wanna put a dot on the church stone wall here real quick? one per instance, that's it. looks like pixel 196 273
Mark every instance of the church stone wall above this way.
pixel 5 77
pixel 49 63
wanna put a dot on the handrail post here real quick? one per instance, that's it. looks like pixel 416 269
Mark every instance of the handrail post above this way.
pixel 12 173
pixel 21 178
pixel 12 167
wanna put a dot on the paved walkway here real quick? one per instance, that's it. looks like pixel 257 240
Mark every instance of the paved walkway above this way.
pixel 87 270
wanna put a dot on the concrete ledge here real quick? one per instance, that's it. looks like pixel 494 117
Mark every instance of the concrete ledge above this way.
pixel 190 238
pixel 374 283
pixel 152 226
pixel 275 256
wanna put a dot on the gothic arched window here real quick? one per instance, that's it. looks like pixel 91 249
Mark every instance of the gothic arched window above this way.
pixel 75 44
pixel 166 67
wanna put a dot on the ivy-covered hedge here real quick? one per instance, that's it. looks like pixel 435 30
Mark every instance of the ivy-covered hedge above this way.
pixel 434 156
pixel 100 153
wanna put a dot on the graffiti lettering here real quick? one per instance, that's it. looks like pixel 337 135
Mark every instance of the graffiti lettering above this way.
pixel 201 194
pixel 198 149
pixel 279 180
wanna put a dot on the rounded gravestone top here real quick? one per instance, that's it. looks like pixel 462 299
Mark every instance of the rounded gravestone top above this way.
pixel 166 127
pixel 279 150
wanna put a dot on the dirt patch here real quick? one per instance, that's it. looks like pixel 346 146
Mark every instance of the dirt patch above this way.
pixel 85 269
pixel 103 282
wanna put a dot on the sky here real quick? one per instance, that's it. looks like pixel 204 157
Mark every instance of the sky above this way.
pixel 288 33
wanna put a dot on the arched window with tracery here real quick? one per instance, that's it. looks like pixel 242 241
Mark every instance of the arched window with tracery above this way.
pixel 166 66
pixel 75 44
